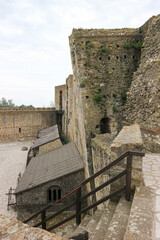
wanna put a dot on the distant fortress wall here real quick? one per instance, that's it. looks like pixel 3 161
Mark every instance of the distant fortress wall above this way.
pixel 23 123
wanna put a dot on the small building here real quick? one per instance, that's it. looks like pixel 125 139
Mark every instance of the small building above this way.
pixel 50 176
pixel 47 140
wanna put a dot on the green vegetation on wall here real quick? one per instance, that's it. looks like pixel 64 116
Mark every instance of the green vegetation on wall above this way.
pixel 64 139
pixel 103 49
pixel 89 44
pixel 97 97
pixel 136 45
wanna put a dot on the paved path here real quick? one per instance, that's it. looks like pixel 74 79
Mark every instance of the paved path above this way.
pixel 151 175
pixel 12 161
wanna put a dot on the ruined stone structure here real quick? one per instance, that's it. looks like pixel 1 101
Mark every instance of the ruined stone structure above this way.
pixel 115 82
pixel 24 123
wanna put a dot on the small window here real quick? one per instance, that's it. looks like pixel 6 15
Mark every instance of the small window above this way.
pixel 59 193
pixel 109 58
pixel 125 56
pixel 50 195
pixel 60 100
pixel 19 130
pixel 54 194
pixel 117 57
pixel 100 58
pixel 87 97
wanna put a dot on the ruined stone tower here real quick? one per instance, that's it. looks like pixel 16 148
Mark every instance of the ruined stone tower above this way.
pixel 115 78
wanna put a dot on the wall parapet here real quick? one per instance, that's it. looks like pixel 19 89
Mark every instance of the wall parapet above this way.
pixel 2 109
pixel 23 123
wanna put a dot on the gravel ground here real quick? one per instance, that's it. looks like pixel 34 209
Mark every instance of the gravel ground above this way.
pixel 12 162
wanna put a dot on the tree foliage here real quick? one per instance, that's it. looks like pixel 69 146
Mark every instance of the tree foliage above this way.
pixel 9 103
pixel 6 103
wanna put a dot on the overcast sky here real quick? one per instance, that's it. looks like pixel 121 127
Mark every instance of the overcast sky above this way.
pixel 34 46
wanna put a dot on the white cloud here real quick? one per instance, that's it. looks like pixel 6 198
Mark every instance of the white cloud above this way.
pixel 34 47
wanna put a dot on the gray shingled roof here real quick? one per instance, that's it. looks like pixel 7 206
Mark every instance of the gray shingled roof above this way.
pixel 50 166
pixel 46 138
pixel 46 131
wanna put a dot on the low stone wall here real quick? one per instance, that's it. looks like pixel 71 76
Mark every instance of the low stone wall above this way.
pixel 101 156
pixel 151 140
pixel 105 150
pixel 129 139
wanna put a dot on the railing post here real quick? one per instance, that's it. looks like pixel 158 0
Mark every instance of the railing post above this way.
pixel 128 176
pixel 43 216
pixel 78 206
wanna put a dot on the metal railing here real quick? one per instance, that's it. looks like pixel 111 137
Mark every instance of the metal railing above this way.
pixel 79 198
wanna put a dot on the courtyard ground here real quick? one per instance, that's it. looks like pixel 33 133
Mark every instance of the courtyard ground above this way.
pixel 12 162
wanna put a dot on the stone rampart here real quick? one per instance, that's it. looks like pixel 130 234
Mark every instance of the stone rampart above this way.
pixel 102 71
pixel 143 100
pixel 23 123
pixel 115 78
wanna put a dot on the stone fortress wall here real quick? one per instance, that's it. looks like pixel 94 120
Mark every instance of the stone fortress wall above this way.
pixel 143 101
pixel 115 79
pixel 23 123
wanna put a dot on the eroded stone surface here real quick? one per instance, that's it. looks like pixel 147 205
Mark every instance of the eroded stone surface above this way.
pixel 141 217
pixel 151 176
pixel 12 229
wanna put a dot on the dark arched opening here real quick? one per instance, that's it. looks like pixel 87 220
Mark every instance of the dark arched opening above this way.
pixel 54 193
pixel 60 100
pixel 105 126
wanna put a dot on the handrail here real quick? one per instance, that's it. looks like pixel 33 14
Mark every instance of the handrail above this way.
pixel 79 211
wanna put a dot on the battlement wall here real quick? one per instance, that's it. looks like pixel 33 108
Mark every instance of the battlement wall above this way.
pixel 23 123
pixel 2 109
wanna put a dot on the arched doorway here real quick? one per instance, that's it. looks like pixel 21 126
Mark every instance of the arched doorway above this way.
pixel 105 125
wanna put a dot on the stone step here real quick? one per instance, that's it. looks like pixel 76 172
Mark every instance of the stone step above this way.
pixel 118 224
pixel 91 225
pixel 81 227
pixel 104 222
pixel 140 222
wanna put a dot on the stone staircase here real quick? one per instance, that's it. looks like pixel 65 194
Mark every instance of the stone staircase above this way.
pixel 124 220
pixel 108 224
